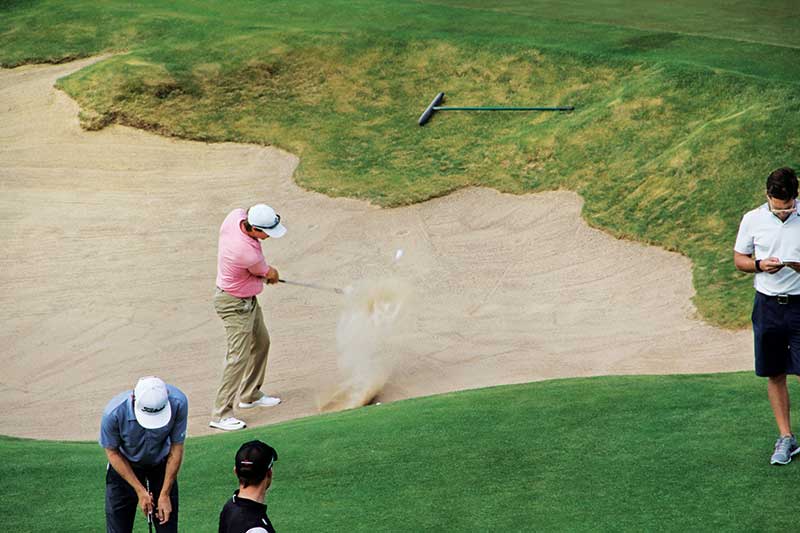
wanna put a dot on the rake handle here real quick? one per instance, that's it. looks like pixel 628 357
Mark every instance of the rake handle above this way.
pixel 434 106
pixel 501 108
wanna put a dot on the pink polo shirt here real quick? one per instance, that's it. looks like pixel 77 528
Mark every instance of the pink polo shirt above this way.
pixel 239 258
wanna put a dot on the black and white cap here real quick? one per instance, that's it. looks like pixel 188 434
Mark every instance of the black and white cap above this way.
pixel 254 459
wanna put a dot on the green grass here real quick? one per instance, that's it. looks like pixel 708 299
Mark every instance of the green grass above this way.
pixel 680 112
pixel 756 21
pixel 666 453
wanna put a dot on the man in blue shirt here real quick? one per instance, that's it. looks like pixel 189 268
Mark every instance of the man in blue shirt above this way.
pixel 142 432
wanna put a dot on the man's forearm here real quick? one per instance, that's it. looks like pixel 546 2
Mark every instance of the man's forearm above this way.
pixel 744 263
pixel 174 460
pixel 121 465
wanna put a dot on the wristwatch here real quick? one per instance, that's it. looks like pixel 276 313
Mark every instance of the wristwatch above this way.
pixel 758 266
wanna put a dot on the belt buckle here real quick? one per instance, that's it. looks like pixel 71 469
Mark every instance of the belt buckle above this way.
pixel 783 299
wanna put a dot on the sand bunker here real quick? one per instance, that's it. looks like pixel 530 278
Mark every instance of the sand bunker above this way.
pixel 109 257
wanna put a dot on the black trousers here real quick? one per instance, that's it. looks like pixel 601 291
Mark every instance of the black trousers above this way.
pixel 122 504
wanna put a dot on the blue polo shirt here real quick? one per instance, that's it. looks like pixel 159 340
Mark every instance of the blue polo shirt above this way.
pixel 120 431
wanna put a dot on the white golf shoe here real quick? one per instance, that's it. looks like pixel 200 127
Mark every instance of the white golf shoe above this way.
pixel 228 424
pixel 264 401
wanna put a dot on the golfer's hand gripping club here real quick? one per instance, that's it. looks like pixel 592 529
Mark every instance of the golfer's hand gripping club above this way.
pixel 147 505
pixel 272 276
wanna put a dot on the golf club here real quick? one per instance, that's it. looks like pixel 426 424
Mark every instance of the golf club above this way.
pixel 312 286
pixel 150 514
pixel 434 107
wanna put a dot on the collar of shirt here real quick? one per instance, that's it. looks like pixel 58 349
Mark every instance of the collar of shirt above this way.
pixel 245 502
pixel 245 236
pixel 129 407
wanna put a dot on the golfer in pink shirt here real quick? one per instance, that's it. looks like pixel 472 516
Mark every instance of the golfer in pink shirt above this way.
pixel 241 273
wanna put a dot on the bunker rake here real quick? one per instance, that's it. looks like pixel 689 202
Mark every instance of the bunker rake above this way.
pixel 434 107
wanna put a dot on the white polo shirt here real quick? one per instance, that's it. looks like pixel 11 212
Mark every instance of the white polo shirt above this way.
pixel 765 234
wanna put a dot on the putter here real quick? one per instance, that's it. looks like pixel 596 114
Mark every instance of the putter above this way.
pixel 337 290
pixel 434 107
pixel 150 514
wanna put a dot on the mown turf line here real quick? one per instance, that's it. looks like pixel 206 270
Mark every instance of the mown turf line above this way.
pixel 670 453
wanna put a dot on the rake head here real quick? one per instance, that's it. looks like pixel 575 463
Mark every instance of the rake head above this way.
pixel 426 116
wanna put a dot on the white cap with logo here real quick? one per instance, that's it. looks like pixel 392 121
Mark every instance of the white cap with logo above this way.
pixel 151 403
pixel 262 217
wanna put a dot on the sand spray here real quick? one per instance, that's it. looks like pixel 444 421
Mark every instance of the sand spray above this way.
pixel 373 316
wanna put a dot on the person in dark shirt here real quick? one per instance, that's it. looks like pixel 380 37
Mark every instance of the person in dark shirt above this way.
pixel 246 511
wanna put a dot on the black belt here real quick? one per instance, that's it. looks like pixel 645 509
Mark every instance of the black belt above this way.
pixel 783 299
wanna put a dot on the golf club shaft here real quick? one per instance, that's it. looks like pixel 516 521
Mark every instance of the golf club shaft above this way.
pixel 312 286
pixel 150 514
pixel 473 108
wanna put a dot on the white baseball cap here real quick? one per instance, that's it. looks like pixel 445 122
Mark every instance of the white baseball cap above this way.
pixel 262 217
pixel 151 403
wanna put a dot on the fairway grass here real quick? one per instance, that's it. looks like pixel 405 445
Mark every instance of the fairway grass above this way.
pixel 673 134
pixel 642 453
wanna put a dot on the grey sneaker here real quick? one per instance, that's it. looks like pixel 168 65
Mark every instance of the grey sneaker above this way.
pixel 785 448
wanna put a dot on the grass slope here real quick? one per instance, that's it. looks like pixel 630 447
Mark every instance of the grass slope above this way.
pixel 672 138
pixel 671 453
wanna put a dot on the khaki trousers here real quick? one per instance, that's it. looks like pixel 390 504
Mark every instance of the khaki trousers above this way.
pixel 248 347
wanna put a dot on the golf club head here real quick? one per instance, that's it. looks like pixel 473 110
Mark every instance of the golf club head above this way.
pixel 426 116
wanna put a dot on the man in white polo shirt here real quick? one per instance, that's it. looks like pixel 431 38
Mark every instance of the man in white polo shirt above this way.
pixel 241 274
pixel 768 244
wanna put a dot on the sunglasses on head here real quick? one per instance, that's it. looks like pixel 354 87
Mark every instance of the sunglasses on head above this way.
pixel 275 225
